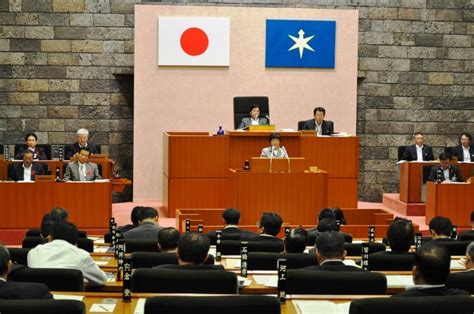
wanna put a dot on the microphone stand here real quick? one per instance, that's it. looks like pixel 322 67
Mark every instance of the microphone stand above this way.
pixel 287 158
pixel 271 159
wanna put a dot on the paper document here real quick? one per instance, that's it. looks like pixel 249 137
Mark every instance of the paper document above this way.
pixel 399 280
pixel 68 297
pixel 266 280
pixel 140 308
pixel 102 308
pixel 316 306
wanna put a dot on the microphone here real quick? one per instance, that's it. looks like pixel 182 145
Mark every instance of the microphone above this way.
pixel 269 120
pixel 287 158
pixel 271 158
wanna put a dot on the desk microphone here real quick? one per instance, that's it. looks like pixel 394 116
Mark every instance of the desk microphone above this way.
pixel 270 120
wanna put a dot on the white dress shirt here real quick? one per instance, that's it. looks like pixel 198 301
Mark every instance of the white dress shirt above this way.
pixel 27 172
pixel 319 128
pixel 466 154
pixel 62 254
pixel 446 174
pixel 419 153
pixel 254 121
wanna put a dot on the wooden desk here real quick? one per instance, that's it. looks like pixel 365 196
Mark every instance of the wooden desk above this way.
pixel 450 200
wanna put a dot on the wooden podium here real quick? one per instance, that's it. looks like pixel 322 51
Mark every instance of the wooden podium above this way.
pixel 453 200
pixel 259 164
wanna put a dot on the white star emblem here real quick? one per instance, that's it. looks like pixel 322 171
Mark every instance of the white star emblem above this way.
pixel 301 43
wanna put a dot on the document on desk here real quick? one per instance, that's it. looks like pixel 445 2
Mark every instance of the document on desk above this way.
pixel 102 308
pixel 102 263
pixel 266 280
pixel 458 264
pixel 316 306
pixel 399 280
pixel 68 297
pixel 140 307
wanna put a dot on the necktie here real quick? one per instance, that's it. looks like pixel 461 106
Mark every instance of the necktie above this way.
pixel 81 172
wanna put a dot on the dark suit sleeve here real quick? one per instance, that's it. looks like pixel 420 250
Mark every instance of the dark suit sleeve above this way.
pixel 43 292
pixel 331 127
pixel 41 154
pixel 13 174
pixel 430 153
pixel 307 126
pixel 406 154
pixel 432 176
pixel 459 176
pixel 19 154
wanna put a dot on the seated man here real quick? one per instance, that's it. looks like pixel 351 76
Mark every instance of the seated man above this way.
pixel 254 118
pixel 323 213
pixel 464 151
pixel 418 151
pixel 430 273
pixel 61 252
pixel 133 218
pixel 168 239
pixel 296 241
pixel 192 253
pixel 400 236
pixel 38 152
pixel 469 234
pixel 82 170
pixel 18 290
pixel 27 170
pixel 231 218
pixel 330 253
pixel 73 150
pixel 469 262
pixel 441 228
pixel 321 126
pixel 148 225
pixel 445 171
pixel 269 226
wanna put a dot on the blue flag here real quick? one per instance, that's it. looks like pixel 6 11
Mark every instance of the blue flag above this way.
pixel 300 44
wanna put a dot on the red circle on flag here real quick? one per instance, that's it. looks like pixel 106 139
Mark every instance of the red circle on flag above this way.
pixel 194 41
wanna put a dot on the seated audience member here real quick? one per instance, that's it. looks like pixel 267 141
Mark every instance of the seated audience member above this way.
pixel 61 252
pixel 464 151
pixel 321 126
pixel 168 239
pixel 469 234
pixel 296 241
pixel 268 227
pixel 254 118
pixel 339 216
pixel 330 253
pixel 18 290
pixel 274 150
pixel 445 171
pixel 82 169
pixel 400 235
pixel 327 224
pixel 73 150
pixel 418 151
pixel 469 261
pixel 231 218
pixel 38 152
pixel 430 273
pixel 59 213
pixel 26 171
pixel 323 213
pixel 148 225
pixel 441 228
pixel 192 253
pixel 133 218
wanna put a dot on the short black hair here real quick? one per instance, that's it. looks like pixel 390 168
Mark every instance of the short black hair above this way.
pixel 468 135
pixel 400 235
pixel 328 224
pixel 31 134
pixel 59 213
pixel 418 133
pixel 274 136
pixel 168 238
pixel 147 213
pixel 46 223
pixel 193 247
pixel 432 261
pixel 445 156
pixel 271 223
pixel 339 215
pixel 320 109
pixel 255 106
pixel 231 216
pixel 64 230
pixel 4 259
pixel 134 214
pixel 326 213
pixel 330 244
pixel 296 241
pixel 27 152
pixel 442 225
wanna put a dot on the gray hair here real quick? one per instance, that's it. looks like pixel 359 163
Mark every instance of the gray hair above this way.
pixel 82 132
pixel 470 250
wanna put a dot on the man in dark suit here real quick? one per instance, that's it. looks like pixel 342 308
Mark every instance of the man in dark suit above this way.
pixel 296 241
pixel 269 227
pixel 26 171
pixel 18 290
pixel 168 239
pixel 231 218
pixel 38 152
pixel 464 151
pixel 148 228
pixel 73 150
pixel 445 171
pixel 430 273
pixel 321 126
pixel 192 253
pixel 441 228
pixel 330 253
pixel 253 119
pixel 418 151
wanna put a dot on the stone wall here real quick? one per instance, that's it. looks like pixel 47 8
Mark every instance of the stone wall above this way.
pixel 66 64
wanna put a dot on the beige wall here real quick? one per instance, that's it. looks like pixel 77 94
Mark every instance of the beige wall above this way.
pixel 200 99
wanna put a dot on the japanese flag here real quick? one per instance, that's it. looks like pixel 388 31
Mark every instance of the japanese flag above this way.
pixel 193 41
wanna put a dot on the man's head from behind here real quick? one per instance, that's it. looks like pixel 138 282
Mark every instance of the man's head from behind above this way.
pixel 432 262
pixel 270 223
pixel 58 213
pixel 168 239
pixel 470 256
pixel 441 227
pixel 330 245
pixel 231 216
pixel 63 230
pixel 328 224
pixel 5 261
pixel 296 241
pixel 326 213
pixel 193 248
pixel 400 235
pixel 134 215
pixel 147 214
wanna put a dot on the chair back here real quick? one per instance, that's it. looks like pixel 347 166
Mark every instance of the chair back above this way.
pixel 31 242
pixel 463 280
pixel 42 306
pixel 391 262
pixel 232 247
pixel 141 245
pixel 19 255
pixel 57 279
pixel 242 107
pixel 268 261
pixel 355 249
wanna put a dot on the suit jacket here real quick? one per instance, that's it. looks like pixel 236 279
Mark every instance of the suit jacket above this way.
pixel 410 153
pixel 10 290
pixel 431 292
pixel 191 267
pixel 72 149
pixel 146 230
pixel 280 153
pixel 38 154
pixel 260 238
pixel 453 170
pixel 327 129
pixel 334 266
pixel 72 172
pixel 248 121
pixel 62 254
pixel 16 173
pixel 459 152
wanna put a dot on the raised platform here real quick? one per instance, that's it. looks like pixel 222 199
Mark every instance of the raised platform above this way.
pixel 393 202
